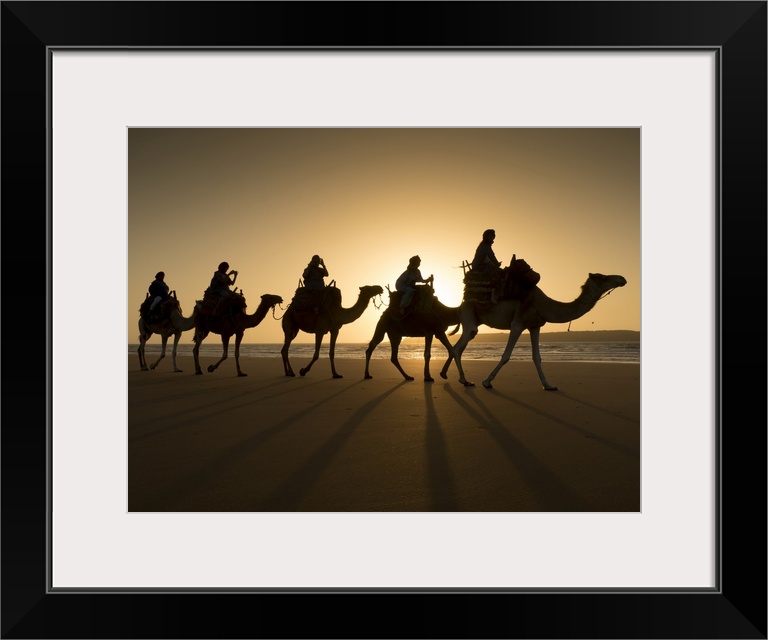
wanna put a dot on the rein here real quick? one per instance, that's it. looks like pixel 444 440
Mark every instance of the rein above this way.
pixel 281 309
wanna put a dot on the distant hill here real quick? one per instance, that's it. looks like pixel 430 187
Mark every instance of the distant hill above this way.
pixel 560 336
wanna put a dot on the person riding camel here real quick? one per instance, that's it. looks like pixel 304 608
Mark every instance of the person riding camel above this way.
pixel 485 259
pixel 158 290
pixel 314 273
pixel 486 266
pixel 406 283
pixel 220 283
pixel 313 293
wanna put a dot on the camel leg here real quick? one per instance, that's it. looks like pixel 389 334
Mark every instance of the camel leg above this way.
pixel 449 347
pixel 332 353
pixel 289 334
pixel 514 333
pixel 394 343
pixel 315 356
pixel 164 339
pixel 140 351
pixel 466 335
pixel 451 356
pixel 143 337
pixel 378 336
pixel 238 339
pixel 176 338
pixel 286 363
pixel 427 356
pixel 224 355
pixel 536 354
pixel 198 338
pixel 458 350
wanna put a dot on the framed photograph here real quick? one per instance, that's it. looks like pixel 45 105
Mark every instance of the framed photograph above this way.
pixel 100 98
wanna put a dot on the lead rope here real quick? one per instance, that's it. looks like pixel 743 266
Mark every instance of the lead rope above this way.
pixel 281 309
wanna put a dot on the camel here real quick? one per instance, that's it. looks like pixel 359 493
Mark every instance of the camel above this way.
pixel 232 322
pixel 428 318
pixel 327 318
pixel 169 322
pixel 531 312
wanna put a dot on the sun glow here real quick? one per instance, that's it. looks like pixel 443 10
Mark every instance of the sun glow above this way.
pixel 366 200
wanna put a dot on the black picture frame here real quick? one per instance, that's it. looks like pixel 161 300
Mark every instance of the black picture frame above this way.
pixel 735 609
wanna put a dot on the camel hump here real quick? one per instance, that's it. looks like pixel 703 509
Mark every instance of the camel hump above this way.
pixel 214 304
pixel 520 278
pixel 332 295
pixel 161 312
pixel 316 300
pixel 394 298
pixel 422 299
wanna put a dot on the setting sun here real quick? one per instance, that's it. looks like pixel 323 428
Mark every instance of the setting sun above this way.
pixel 266 199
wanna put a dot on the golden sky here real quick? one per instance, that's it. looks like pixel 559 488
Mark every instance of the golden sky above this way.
pixel 266 199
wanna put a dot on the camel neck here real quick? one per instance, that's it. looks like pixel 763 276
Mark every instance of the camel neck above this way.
pixel 559 312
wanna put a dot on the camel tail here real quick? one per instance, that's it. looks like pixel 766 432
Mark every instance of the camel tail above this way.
pixel 455 329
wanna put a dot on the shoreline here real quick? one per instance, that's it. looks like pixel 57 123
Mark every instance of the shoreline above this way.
pixel 271 443
pixel 436 362
pixel 620 352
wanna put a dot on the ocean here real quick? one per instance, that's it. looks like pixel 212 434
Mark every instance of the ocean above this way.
pixel 414 350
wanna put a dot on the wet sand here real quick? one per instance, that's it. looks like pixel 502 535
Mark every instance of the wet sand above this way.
pixel 269 443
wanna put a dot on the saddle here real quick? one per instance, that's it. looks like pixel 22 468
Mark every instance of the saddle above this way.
pixel 511 283
pixel 214 304
pixel 483 288
pixel 161 311
pixel 316 301
pixel 421 301
pixel 520 278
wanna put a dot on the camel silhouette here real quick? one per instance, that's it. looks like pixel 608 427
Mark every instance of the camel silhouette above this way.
pixel 428 318
pixel 234 321
pixel 167 322
pixel 327 317
pixel 530 312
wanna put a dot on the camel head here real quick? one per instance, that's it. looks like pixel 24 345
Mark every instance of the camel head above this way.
pixel 271 300
pixel 370 291
pixel 603 284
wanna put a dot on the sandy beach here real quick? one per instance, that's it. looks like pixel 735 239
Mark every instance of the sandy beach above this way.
pixel 267 442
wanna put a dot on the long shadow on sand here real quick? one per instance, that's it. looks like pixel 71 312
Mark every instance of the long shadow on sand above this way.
pixel 550 493
pixel 619 416
pixel 287 496
pixel 442 485
pixel 219 405
pixel 193 483
pixel 560 396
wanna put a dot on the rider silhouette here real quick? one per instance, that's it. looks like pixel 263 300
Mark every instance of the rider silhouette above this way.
pixel 406 283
